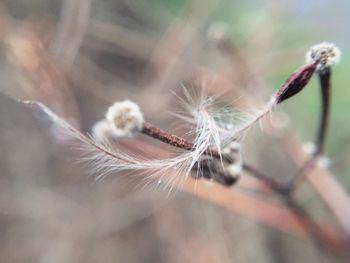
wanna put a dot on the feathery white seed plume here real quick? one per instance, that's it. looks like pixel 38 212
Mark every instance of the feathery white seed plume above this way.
pixel 126 118
pixel 327 53
pixel 213 127
pixel 105 159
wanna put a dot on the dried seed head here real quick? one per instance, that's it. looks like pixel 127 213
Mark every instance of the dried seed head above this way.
pixel 125 118
pixel 326 53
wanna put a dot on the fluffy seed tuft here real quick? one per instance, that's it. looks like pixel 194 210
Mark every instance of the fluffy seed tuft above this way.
pixel 326 53
pixel 125 118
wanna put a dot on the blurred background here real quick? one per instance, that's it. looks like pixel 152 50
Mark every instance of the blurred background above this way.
pixel 79 56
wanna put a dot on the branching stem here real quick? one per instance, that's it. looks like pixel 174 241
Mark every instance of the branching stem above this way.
pixel 176 141
pixel 325 86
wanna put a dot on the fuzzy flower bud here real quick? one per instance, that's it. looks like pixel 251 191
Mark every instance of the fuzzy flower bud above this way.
pixel 326 53
pixel 126 118
pixel 309 148
pixel 234 169
pixel 101 130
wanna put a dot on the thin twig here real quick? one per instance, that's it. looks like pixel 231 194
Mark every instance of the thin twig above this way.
pixel 278 217
pixel 317 233
pixel 176 141
pixel 331 192
pixel 325 86
pixel 232 198
pixel 166 137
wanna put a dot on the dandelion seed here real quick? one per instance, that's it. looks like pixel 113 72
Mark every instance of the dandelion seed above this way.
pixel 126 118
pixel 327 54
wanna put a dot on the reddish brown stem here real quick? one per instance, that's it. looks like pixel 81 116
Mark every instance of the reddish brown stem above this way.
pixel 318 234
pixel 166 137
pixel 325 85
pixel 176 141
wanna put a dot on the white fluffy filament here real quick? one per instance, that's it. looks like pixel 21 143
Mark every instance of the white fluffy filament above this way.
pixel 214 128
pixel 105 159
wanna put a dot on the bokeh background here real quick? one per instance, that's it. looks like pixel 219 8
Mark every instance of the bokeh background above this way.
pixel 80 56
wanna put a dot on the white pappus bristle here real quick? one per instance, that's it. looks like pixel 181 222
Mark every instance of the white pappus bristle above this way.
pixel 104 159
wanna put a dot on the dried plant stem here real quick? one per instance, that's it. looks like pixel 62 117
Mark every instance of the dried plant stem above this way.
pixel 295 219
pixel 174 140
pixel 268 213
pixel 328 188
pixel 269 182
pixel 166 137
pixel 295 83
pixel 303 223
pixel 318 234
pixel 325 86
pixel 179 142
